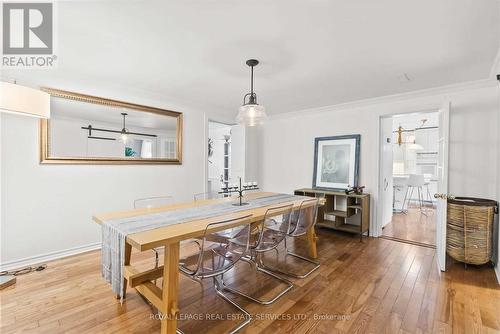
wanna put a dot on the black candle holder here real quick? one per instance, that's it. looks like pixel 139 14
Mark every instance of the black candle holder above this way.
pixel 240 191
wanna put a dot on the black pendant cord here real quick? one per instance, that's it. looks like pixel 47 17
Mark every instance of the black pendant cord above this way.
pixel 251 81
pixel 252 96
pixel 124 129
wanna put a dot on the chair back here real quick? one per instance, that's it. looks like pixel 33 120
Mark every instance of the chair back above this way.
pixel 276 223
pixel 304 218
pixel 416 180
pixel 208 195
pixel 153 202
pixel 222 248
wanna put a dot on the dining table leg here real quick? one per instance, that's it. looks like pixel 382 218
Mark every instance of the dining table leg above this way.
pixel 170 288
pixel 311 240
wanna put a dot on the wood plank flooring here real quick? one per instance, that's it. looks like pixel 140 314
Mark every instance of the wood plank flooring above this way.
pixel 378 286
pixel 413 226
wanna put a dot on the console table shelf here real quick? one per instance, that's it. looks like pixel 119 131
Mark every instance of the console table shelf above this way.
pixel 342 212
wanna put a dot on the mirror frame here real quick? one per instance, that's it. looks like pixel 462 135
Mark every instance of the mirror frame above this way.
pixel 45 157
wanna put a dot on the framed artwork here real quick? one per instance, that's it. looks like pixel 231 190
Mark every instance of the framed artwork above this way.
pixel 336 162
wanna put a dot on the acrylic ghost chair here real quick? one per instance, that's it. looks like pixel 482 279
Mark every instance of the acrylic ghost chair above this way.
pixel 266 236
pixel 152 203
pixel 207 195
pixel 301 221
pixel 156 202
pixel 223 244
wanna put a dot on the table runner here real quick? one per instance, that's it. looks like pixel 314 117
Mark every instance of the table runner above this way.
pixel 114 231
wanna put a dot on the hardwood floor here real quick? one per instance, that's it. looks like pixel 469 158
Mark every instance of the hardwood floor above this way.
pixel 413 226
pixel 378 286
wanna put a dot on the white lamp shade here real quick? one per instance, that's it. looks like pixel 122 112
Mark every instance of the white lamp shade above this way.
pixel 24 100
pixel 251 114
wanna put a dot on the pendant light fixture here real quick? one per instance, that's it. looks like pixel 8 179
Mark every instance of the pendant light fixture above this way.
pixel 124 132
pixel 251 113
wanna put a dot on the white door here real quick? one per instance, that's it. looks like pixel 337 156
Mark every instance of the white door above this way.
pixel 386 183
pixel 442 184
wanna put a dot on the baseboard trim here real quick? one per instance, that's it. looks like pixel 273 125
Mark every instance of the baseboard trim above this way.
pixel 28 261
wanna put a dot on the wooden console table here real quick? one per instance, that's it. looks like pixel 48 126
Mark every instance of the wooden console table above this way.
pixel 342 212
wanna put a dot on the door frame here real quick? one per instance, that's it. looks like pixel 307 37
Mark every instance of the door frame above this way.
pixel 381 194
pixel 207 120
pixel 443 182
pixel 377 231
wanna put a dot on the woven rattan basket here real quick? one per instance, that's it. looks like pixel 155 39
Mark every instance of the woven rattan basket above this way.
pixel 469 234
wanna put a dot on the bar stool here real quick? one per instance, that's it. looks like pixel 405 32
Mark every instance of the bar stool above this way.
pixel 266 237
pixel 414 181
pixel 217 257
pixel 302 220
pixel 426 184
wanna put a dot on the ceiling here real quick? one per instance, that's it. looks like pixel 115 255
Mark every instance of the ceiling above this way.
pixel 313 53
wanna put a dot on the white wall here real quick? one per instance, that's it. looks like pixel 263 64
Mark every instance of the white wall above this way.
pixel 48 208
pixel 284 145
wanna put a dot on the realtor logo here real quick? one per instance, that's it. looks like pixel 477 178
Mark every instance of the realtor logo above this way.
pixel 28 29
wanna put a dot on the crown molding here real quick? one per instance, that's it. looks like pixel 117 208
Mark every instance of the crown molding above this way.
pixel 442 90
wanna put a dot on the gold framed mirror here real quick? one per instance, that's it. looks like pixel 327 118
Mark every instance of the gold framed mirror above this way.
pixel 85 129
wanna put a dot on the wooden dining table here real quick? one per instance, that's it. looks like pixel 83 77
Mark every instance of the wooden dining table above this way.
pixel 165 299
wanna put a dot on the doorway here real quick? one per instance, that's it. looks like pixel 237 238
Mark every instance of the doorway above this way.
pixel 410 163
pixel 226 155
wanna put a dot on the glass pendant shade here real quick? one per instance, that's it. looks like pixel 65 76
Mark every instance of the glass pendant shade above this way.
pixel 124 133
pixel 124 137
pixel 251 115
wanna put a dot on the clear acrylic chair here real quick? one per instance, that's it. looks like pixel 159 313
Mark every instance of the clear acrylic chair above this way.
pixel 301 221
pixel 207 195
pixel 264 238
pixel 223 244
pixel 151 203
